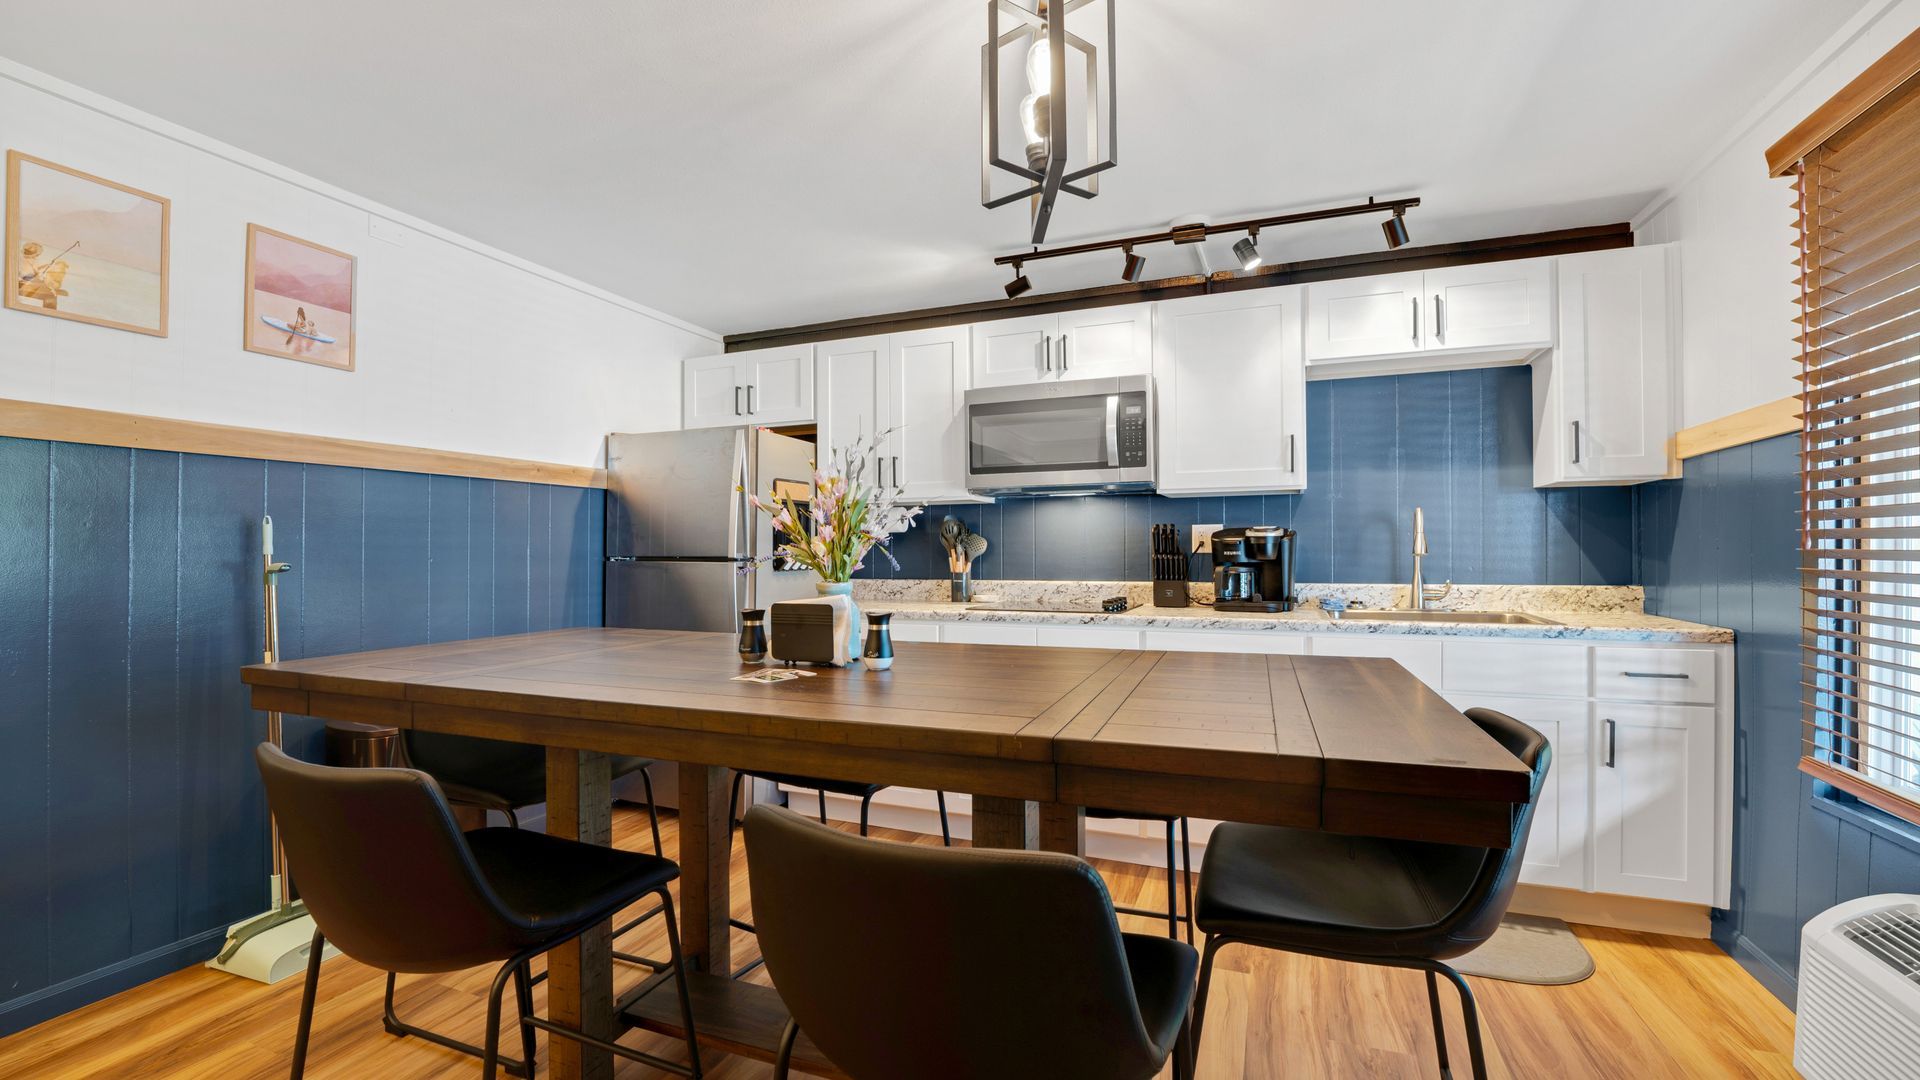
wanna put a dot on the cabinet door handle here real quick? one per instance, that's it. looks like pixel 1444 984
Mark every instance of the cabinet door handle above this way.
pixel 1612 731
pixel 1576 442
pixel 1046 346
pixel 736 401
pixel 1063 352
pixel 1439 319
pixel 896 470
pixel 1415 301
pixel 750 409
pixel 1656 675
pixel 1291 466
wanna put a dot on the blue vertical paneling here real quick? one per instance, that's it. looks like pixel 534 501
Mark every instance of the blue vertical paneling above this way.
pixel 25 911
pixel 1421 418
pixel 395 554
pixel 1720 546
pixel 1313 515
pixel 1016 540
pixel 1467 479
pixel 1514 547
pixel 511 534
pixel 450 557
pixel 88 752
pixel 132 825
pixel 1367 539
pixel 155 733
pixel 540 593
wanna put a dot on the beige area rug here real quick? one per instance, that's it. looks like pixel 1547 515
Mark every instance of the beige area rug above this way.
pixel 1529 949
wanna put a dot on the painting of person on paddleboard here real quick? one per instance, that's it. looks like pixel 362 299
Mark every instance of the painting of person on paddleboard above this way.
pixel 299 299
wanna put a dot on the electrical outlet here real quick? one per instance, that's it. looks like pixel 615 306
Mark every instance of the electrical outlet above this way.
pixel 1203 537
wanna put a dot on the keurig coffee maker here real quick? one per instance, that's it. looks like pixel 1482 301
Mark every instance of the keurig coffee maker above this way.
pixel 1253 569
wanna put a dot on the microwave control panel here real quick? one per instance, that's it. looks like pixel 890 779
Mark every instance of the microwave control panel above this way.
pixel 1133 431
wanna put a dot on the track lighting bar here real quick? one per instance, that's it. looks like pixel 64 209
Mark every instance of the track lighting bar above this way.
pixel 1188 234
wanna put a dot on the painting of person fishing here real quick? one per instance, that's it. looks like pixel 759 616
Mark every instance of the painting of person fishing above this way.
pixel 84 248
pixel 299 299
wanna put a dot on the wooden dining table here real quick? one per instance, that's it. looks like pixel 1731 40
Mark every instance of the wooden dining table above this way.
pixel 1351 745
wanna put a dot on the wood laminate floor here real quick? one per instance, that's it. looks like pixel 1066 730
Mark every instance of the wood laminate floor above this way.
pixel 1657 1007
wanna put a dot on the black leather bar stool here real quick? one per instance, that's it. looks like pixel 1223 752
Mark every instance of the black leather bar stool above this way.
pixel 1184 883
pixel 391 880
pixel 1396 903
pixel 899 960
pixel 850 788
pixel 504 776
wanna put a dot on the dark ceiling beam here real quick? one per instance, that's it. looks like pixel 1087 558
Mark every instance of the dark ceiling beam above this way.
pixel 1432 257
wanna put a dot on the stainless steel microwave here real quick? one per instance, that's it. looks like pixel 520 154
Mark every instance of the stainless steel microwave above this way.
pixel 1075 435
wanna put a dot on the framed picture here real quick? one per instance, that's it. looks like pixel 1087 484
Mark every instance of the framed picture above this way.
pixel 299 299
pixel 85 249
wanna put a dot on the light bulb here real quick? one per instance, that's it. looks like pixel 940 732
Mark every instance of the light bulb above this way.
pixel 1039 65
pixel 1035 119
pixel 1036 109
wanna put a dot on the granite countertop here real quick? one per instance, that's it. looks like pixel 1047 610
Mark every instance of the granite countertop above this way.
pixel 1589 613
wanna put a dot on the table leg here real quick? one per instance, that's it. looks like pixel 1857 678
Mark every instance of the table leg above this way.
pixel 706 937
pixel 580 974
pixel 1005 823
pixel 1063 828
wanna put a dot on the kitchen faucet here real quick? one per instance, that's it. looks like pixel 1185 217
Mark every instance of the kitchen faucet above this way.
pixel 1420 594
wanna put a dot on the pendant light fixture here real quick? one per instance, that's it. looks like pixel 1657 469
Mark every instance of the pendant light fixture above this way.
pixel 1042 33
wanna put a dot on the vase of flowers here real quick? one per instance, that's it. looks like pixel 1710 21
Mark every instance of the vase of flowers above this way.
pixel 848 516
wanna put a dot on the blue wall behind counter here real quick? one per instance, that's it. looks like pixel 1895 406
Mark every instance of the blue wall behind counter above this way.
pixel 132 828
pixel 1457 443
pixel 1719 546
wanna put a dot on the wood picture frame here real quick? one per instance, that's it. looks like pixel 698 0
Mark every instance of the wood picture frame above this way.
pixel 137 249
pixel 287 276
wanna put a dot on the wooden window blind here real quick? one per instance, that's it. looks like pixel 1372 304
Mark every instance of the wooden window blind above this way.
pixel 1858 198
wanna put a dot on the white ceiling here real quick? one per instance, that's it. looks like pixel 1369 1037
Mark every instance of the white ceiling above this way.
pixel 747 165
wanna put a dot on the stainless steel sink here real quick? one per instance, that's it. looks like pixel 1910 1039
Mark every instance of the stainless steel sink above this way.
pixel 1497 618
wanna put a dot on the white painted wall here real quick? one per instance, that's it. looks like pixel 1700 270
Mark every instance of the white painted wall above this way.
pixel 1736 232
pixel 460 346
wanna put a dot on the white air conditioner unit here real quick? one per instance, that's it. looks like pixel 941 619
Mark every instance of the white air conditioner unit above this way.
pixel 1859 1014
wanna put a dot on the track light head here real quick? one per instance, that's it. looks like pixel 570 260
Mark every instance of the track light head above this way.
pixel 1396 229
pixel 1019 284
pixel 1247 251
pixel 1135 266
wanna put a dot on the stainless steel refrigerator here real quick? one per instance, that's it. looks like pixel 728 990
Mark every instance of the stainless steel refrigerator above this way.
pixel 680 535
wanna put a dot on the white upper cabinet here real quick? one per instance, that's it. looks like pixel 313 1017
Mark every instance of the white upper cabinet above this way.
pixel 927 384
pixel 1231 386
pixel 1493 304
pixel 1603 399
pixel 910 387
pixel 1369 316
pixel 760 386
pixel 1094 343
pixel 1459 316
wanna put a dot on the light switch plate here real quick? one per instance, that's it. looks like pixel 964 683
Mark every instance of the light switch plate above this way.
pixel 1203 537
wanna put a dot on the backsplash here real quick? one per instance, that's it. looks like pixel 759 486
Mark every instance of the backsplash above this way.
pixel 1457 443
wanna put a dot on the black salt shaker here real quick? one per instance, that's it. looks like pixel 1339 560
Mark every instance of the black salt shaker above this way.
pixel 753 635
pixel 879 649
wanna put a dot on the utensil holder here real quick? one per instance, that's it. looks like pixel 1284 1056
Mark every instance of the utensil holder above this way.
pixel 960 588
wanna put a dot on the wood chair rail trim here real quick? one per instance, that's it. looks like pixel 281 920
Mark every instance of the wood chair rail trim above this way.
pixel 1781 417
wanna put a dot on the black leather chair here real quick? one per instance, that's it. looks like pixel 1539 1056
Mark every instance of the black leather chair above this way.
pixel 504 776
pixel 1177 882
pixel 1397 903
pixel 899 960
pixel 850 788
pixel 391 880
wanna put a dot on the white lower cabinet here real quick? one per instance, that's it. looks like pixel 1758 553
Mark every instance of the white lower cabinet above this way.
pixel 1637 801
pixel 1557 847
pixel 1653 801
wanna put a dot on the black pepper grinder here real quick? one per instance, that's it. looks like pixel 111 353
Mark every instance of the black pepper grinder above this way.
pixel 753 635
pixel 879 649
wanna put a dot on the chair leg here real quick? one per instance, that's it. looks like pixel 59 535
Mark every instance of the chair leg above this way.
pixel 396 1026
pixel 490 1056
pixel 946 832
pixel 1173 894
pixel 1439 1025
pixel 1470 1012
pixel 1186 873
pixel 653 814
pixel 822 796
pixel 513 819
pixel 1185 1062
pixel 680 981
pixel 1206 976
pixel 783 1060
pixel 866 804
pixel 319 948
pixel 733 807
pixel 523 1000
